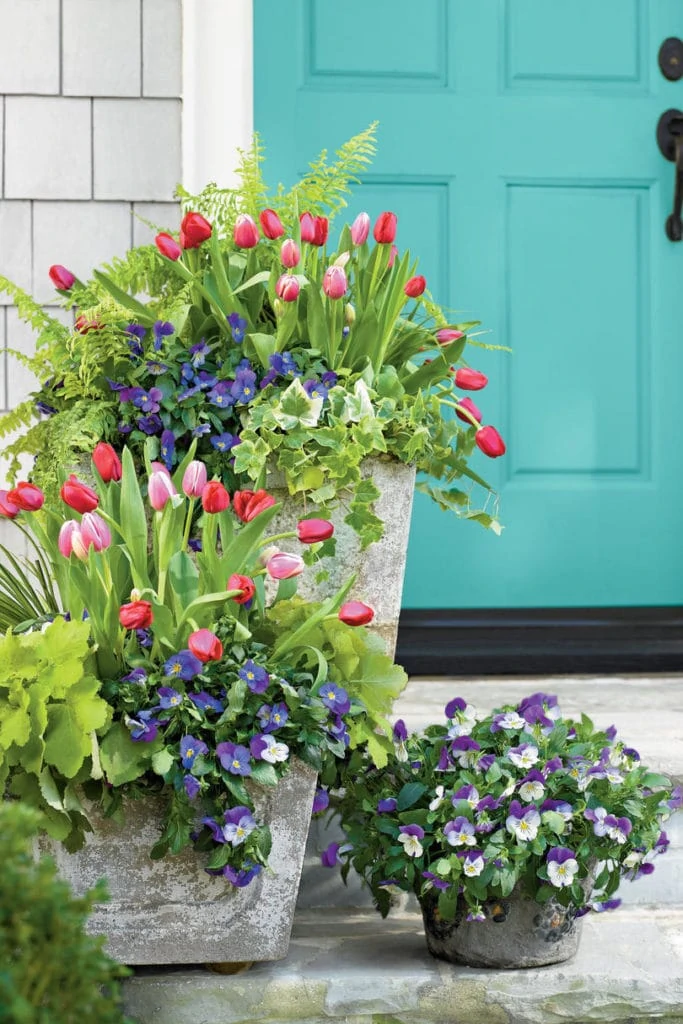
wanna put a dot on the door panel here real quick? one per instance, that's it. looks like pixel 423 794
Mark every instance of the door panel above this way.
pixel 517 143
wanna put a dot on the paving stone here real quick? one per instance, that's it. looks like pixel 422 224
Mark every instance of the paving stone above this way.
pixel 162 48
pixel 29 46
pixel 47 148
pixel 15 245
pixel 355 967
pixel 101 48
pixel 137 149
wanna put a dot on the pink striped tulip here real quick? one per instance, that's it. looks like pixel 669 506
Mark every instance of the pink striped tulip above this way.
pixel 64 540
pixel 246 233
pixel 95 532
pixel 194 479
pixel 284 566
pixel 445 336
pixel 360 229
pixel 287 288
pixel 290 254
pixel 334 282
pixel 160 489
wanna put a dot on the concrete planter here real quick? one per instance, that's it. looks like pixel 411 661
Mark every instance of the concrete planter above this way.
pixel 517 932
pixel 381 567
pixel 170 911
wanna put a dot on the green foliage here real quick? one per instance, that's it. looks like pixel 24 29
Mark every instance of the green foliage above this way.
pixel 26 594
pixel 51 971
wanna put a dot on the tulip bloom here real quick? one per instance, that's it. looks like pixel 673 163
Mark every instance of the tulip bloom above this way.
pixel 8 509
pixel 468 404
pixel 284 566
pixel 360 229
pixel 78 496
pixel 355 613
pixel 107 462
pixel 27 497
pixel 311 531
pixel 287 288
pixel 215 498
pixel 393 253
pixel 244 584
pixel 246 234
pixel 321 229
pixel 490 442
pixel 445 336
pixel 194 479
pixel 61 278
pixel 167 246
pixel 334 282
pixel 65 538
pixel 470 380
pixel 83 325
pixel 290 254
pixel 95 532
pixel 205 645
pixel 194 229
pixel 159 489
pixel 415 286
pixel 249 504
pixel 385 228
pixel 271 225
pixel 136 615
pixel 307 222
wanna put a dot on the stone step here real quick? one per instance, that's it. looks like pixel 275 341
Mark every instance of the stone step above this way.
pixel 352 967
pixel 647 710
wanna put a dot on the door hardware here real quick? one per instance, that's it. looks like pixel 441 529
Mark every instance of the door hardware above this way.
pixel 670 142
pixel 671 58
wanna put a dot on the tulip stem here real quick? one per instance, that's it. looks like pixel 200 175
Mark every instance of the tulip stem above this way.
pixel 278 536
pixel 464 412
pixel 188 525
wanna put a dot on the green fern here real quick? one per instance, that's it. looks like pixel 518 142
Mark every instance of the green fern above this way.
pixel 18 418
pixel 325 187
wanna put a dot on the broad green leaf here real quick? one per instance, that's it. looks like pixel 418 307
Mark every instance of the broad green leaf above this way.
pixel 66 745
pixel 163 761
pixel 409 795
pixel 122 759
pixel 296 408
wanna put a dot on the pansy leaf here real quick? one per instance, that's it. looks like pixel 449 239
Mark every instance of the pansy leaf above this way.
pixel 265 774
pixel 409 795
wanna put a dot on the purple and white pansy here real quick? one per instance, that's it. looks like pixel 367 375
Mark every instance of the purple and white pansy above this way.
pixel 562 865
pixel 523 822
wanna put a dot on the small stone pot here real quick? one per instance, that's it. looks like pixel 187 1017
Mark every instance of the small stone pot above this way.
pixel 517 932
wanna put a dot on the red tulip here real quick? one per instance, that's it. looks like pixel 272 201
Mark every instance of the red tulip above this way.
pixel 283 566
pixel 415 286
pixel 490 442
pixel 107 462
pixel 360 229
pixel 61 278
pixel 78 496
pixel 467 403
pixel 205 645
pixel 167 246
pixel 249 504
pixel 27 497
pixel 243 583
pixel 355 613
pixel 445 336
pixel 290 254
pixel 271 225
pixel 320 231
pixel 215 498
pixel 136 615
pixel 246 234
pixel 470 380
pixel 83 325
pixel 311 531
pixel 287 288
pixel 194 229
pixel 334 282
pixel 385 228
pixel 8 509
pixel 307 222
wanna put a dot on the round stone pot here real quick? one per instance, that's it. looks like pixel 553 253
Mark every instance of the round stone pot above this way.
pixel 517 932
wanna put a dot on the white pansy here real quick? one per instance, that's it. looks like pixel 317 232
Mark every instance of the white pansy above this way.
pixel 411 845
pixel 509 789
pixel 438 799
pixel 531 791
pixel 632 860
pixel 526 758
pixel 472 868
pixel 463 722
pixel 562 875
pixel 511 720
pixel 275 751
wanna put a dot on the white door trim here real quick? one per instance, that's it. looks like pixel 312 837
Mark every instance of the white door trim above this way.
pixel 218 89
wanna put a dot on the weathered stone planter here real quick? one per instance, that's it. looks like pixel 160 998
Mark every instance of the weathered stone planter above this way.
pixel 517 932
pixel 381 567
pixel 170 911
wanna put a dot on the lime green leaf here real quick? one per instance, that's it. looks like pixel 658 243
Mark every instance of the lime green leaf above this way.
pixel 122 759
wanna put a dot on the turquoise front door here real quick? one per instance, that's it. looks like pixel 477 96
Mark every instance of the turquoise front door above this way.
pixel 517 145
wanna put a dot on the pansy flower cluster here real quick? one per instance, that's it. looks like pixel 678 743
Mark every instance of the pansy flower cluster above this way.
pixel 521 799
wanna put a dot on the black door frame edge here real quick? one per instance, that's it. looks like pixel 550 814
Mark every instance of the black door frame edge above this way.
pixel 540 641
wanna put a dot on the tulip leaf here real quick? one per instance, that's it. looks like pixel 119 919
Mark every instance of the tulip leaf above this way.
pixel 246 541
pixel 429 373
pixel 141 313
pixel 184 579
pixel 259 278
pixel 133 526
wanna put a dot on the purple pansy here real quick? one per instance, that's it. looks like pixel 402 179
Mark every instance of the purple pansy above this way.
pixel 183 665
pixel 465 751
pixel 316 389
pixel 255 676
pixel 137 675
pixel 235 758
pixel 272 718
pixel 201 429
pixel 243 389
pixel 224 442
pixel 192 786
pixel 150 424
pixel 221 395
pixel 329 858
pixel 561 866
pixel 169 698
pixel 241 877
pixel 167 448
pixel 468 793
pixel 238 326
pixel 198 352
pixel 459 832
pixel 523 823
pixel 335 698
pixel 161 329
pixel 321 800
pixel 438 883
pixel 145 727
pixel 400 731
pixel 387 805
pixel 239 823
pixel 204 701
pixel 190 750
pixel 144 638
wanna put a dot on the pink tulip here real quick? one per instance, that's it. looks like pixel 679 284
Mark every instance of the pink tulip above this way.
pixel 284 566
pixel 95 531
pixel 62 279
pixel 160 489
pixel 287 288
pixel 78 545
pixel 307 222
pixel 334 282
pixel 167 246
pixel 271 225
pixel 159 467
pixel 290 254
pixel 65 535
pixel 194 479
pixel 246 233
pixel 360 229
pixel 393 253
pixel 445 336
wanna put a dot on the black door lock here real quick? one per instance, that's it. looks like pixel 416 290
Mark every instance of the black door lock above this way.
pixel 671 58
pixel 670 142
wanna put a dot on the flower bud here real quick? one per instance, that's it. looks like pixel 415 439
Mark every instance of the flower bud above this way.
pixel 78 496
pixel 284 566
pixel 334 282
pixel 246 234
pixel 307 222
pixel 194 479
pixel 136 615
pixel 26 497
pixel 490 442
pixel 167 246
pixel 385 228
pixel 349 314
pixel 360 229
pixel 321 229
pixel 393 253
pixel 205 645
pixel 468 404
pixel 78 545
pixel 249 504
pixel 267 554
pixel 8 510
pixel 278 307
pixel 290 253
pixel 445 336
pixel 312 531
pixel 244 584
pixel 194 229
pixel 215 498
pixel 66 532
pixel 95 531
pixel 159 489
pixel 107 462
pixel 271 225
pixel 287 288
pixel 415 287
pixel 61 278
pixel 342 259
pixel 470 380
pixel 355 613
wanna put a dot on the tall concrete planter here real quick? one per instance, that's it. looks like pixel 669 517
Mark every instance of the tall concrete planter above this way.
pixel 170 911
pixel 380 568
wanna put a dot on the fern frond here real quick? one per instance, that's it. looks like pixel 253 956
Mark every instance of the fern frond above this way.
pixel 18 418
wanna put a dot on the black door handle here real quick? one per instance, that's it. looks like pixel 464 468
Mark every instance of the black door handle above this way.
pixel 670 141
